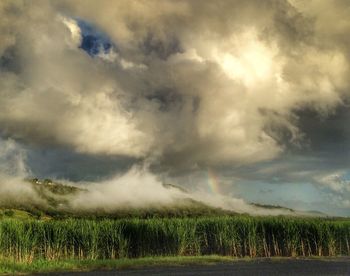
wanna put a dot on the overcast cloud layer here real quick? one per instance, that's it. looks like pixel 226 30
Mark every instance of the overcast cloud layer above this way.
pixel 257 90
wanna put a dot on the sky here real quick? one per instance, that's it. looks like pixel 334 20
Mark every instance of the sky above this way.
pixel 242 98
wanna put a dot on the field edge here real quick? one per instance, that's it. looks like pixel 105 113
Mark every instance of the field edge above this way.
pixel 10 267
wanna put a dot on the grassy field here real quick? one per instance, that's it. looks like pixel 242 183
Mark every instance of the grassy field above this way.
pixel 9 267
pixel 237 236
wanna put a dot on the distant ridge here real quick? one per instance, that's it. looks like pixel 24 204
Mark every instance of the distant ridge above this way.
pixel 55 198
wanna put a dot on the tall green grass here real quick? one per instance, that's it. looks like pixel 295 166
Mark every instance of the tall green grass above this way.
pixel 239 236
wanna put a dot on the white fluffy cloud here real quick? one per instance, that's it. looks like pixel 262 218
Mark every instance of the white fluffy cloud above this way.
pixel 191 83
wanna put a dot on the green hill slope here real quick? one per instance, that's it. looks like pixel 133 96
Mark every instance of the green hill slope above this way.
pixel 54 202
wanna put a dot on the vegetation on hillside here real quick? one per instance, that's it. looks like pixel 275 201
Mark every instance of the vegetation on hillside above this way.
pixel 53 200
pixel 54 204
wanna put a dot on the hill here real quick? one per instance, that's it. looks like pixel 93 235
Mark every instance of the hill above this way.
pixel 55 198
pixel 54 202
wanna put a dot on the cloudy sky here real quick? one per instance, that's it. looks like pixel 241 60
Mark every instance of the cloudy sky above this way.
pixel 253 93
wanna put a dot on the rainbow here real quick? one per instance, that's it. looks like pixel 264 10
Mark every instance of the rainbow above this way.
pixel 213 182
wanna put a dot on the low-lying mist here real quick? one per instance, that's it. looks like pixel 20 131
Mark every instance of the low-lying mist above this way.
pixel 137 189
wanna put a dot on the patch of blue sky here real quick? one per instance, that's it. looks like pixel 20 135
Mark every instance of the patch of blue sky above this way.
pixel 346 175
pixel 267 193
pixel 94 41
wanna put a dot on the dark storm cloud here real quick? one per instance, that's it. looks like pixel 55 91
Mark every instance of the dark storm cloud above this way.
pixel 65 164
pixel 323 150
pixel 153 45
pixel 326 134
